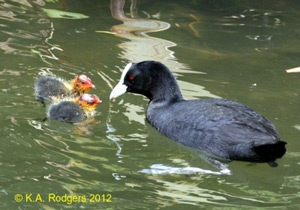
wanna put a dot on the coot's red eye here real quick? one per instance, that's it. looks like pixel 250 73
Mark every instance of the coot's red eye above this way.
pixel 131 77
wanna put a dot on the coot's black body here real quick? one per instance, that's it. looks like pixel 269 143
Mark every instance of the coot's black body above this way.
pixel 48 86
pixel 219 127
pixel 67 111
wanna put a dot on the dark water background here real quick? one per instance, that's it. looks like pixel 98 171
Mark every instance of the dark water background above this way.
pixel 229 49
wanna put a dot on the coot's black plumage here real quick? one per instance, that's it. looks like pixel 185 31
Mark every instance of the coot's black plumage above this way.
pixel 219 127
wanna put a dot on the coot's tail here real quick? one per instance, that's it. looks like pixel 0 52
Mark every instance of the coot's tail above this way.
pixel 270 152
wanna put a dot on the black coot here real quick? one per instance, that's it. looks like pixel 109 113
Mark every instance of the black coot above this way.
pixel 219 127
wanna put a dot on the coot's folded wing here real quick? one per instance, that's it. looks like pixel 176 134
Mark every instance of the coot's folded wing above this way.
pixel 212 125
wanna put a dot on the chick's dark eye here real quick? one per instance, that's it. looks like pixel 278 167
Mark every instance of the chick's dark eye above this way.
pixel 83 83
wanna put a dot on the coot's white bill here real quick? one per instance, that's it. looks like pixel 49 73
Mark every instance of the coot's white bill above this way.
pixel 120 88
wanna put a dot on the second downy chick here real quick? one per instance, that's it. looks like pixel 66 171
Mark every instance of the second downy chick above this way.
pixel 73 109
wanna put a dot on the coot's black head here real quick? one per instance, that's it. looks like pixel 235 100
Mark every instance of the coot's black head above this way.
pixel 149 78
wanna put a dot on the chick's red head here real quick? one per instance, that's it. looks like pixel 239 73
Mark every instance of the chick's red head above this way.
pixel 88 101
pixel 82 84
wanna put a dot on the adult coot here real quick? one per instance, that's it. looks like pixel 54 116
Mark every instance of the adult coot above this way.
pixel 219 127
pixel 46 87
pixel 73 109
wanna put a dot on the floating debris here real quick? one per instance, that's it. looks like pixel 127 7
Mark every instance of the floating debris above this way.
pixel 53 13
pixel 293 70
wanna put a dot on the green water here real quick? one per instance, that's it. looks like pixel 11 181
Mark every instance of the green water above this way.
pixel 229 49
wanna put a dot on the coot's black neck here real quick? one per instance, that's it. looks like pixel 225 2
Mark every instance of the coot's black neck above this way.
pixel 165 89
